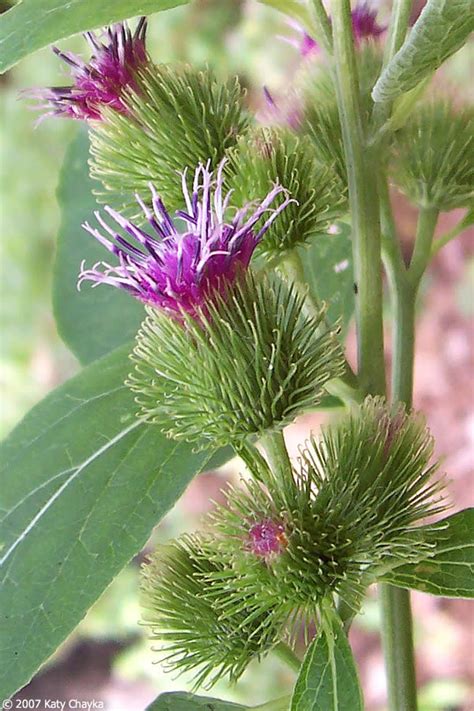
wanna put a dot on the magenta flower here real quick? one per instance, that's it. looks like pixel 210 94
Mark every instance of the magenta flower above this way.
pixel 180 270
pixel 364 23
pixel 267 538
pixel 101 82
pixel 364 26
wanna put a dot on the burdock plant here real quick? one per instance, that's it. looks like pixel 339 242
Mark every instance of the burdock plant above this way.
pixel 219 236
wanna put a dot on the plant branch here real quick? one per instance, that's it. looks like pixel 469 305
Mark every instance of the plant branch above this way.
pixel 391 250
pixel 397 624
pixel 399 20
pixel 364 206
pixel 427 220
pixel 277 454
pixel 397 31
pixel 397 637
pixel 465 222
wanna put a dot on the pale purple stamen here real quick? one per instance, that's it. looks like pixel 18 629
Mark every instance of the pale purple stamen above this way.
pixel 180 271
pixel 101 81
pixel 267 538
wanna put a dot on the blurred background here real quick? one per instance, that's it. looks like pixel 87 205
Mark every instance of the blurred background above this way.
pixel 108 657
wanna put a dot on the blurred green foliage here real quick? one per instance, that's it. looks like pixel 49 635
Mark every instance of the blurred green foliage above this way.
pixel 231 36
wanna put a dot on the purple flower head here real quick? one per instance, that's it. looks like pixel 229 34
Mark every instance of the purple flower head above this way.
pixel 364 23
pixel 364 26
pixel 100 82
pixel 267 538
pixel 284 111
pixel 307 45
pixel 180 270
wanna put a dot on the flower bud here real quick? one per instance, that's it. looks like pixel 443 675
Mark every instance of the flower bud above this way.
pixel 103 82
pixel 266 156
pixel 188 617
pixel 181 271
pixel 351 507
pixel 179 118
pixel 253 362
pixel 434 156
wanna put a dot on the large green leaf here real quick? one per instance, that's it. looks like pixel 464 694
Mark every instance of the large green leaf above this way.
pixel 441 29
pixel 182 701
pixel 328 269
pixel 83 484
pixel 328 678
pixel 450 572
pixel 32 24
pixel 94 321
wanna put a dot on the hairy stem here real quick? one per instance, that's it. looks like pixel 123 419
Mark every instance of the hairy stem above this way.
pixel 363 204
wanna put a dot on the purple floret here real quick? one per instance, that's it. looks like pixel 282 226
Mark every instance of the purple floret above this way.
pixel 364 23
pixel 100 82
pixel 180 270
pixel 364 26
pixel 267 538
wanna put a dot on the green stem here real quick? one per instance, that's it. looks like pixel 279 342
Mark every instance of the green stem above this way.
pixel 323 31
pixel 277 454
pixel 427 220
pixel 346 613
pixel 466 221
pixel 403 341
pixel 405 288
pixel 399 20
pixel 253 460
pixel 397 639
pixel 292 268
pixel 391 250
pixel 397 623
pixel 364 206
pixel 403 347
pixel 285 653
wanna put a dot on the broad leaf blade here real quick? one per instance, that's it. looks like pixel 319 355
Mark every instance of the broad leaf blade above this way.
pixel 328 269
pixel 450 572
pixel 94 321
pixel 182 701
pixel 83 484
pixel 441 29
pixel 32 24
pixel 328 678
